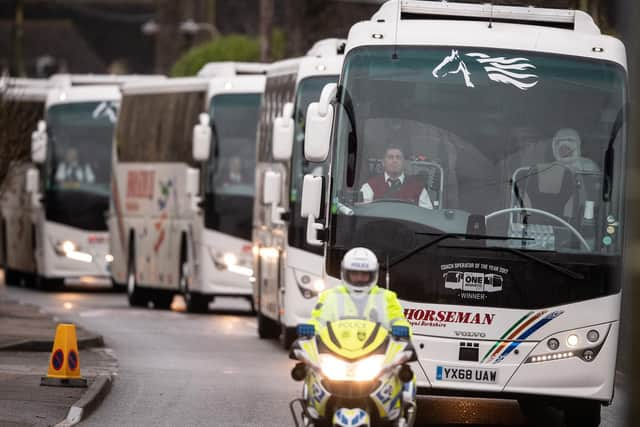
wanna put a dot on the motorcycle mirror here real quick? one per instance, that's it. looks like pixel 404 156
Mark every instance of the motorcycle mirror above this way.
pixel 306 330
pixel 299 372
pixel 399 331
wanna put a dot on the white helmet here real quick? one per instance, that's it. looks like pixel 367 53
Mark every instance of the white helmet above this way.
pixel 359 271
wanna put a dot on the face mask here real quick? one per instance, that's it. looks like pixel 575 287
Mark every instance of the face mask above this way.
pixel 566 150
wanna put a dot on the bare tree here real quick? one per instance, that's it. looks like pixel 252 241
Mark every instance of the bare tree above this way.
pixel 294 14
pixel 595 8
pixel 169 41
pixel 18 38
pixel 18 118
pixel 266 23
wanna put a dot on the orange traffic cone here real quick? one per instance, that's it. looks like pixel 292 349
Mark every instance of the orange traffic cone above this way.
pixel 64 364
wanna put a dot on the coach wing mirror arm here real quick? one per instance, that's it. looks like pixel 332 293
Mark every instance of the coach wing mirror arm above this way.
pixel 317 134
pixel 283 129
pixel 272 194
pixel 201 140
pixel 39 143
pixel 192 188
pixel 310 208
pixel 32 186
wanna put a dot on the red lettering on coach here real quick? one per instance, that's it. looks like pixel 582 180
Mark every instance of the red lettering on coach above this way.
pixel 463 317
pixel 425 317
pixel 140 184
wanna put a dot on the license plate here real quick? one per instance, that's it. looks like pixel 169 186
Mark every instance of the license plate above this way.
pixel 467 375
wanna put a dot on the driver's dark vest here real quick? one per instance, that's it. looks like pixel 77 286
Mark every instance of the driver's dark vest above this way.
pixel 410 189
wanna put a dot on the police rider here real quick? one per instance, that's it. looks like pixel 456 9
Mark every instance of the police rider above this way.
pixel 359 296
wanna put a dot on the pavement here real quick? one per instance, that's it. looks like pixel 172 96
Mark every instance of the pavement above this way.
pixel 26 340
pixel 25 327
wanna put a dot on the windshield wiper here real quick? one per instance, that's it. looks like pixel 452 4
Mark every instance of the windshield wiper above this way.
pixel 444 236
pixel 441 237
pixel 559 269
pixel 607 185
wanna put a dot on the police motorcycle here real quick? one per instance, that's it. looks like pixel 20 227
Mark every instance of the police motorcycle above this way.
pixel 355 373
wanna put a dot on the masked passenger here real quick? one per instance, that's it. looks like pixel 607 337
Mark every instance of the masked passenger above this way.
pixel 566 150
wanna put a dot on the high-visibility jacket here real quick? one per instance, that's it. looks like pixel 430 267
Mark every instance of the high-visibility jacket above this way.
pixel 336 304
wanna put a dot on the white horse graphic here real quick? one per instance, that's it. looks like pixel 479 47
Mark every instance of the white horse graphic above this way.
pixel 512 71
pixel 108 109
pixel 462 67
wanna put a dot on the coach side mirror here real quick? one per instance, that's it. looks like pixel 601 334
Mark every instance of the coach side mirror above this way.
pixel 317 134
pixel 283 128
pixel 202 139
pixel 32 185
pixel 272 195
pixel 39 143
pixel 310 207
pixel 33 180
pixel 192 188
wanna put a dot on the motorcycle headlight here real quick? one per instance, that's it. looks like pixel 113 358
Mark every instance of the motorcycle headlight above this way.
pixel 365 369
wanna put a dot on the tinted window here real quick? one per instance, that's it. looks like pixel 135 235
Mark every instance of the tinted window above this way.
pixel 79 149
pixel 478 131
pixel 231 167
pixel 158 127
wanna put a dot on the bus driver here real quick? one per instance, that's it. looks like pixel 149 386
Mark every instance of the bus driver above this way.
pixel 394 183
pixel 71 170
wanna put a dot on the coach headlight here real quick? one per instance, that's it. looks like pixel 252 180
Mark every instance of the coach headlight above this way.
pixel 230 259
pixel 235 265
pixel 309 285
pixel 584 343
pixel 71 250
pixel 318 285
pixel 65 246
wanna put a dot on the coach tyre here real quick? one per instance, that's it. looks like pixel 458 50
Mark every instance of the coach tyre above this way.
pixel 162 299
pixel 195 302
pixel 287 336
pixel 267 328
pixel 134 294
pixel 582 413
pixel 51 284
pixel 253 305
pixel 11 277
pixel 118 287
